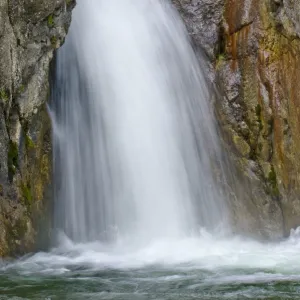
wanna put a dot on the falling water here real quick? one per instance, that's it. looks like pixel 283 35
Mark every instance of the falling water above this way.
pixel 133 129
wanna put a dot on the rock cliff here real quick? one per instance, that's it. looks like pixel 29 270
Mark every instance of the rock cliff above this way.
pixel 30 31
pixel 254 50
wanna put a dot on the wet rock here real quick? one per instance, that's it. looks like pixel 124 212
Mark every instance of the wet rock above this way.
pixel 30 31
pixel 254 51
pixel 203 19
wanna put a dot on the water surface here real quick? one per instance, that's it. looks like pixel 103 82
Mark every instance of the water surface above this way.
pixel 193 268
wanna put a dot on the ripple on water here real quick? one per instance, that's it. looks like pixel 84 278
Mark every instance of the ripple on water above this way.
pixel 205 267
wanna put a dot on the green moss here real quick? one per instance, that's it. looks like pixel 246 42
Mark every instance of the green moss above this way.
pixel 21 89
pixel 53 41
pixel 45 165
pixel 50 21
pixel 68 2
pixel 26 193
pixel 221 56
pixel 3 95
pixel 12 158
pixel 275 191
pixel 29 142
pixel 241 145
pixel 220 60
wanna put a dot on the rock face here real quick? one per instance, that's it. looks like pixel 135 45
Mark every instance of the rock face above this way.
pixel 254 49
pixel 30 31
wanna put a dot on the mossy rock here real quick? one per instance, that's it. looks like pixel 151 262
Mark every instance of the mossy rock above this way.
pixel 29 142
pixel 50 21
pixel 69 2
pixel 4 96
pixel 26 193
pixel 241 145
pixel 54 41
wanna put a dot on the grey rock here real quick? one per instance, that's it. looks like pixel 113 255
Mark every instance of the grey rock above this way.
pixel 30 31
pixel 203 19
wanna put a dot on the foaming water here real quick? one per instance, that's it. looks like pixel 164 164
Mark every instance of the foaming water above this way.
pixel 133 130
pixel 205 252
pixel 203 267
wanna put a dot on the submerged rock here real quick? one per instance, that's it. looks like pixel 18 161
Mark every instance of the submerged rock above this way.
pixel 30 31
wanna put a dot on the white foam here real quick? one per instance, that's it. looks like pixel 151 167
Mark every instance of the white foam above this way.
pixel 277 261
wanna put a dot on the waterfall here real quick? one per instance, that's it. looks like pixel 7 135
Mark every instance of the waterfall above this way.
pixel 134 132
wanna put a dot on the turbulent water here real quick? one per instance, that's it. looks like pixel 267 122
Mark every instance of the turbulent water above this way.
pixel 134 132
pixel 207 267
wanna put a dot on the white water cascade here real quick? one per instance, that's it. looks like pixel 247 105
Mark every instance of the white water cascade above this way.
pixel 134 132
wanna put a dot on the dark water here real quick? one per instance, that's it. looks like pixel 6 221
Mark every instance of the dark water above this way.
pixel 150 283
pixel 202 268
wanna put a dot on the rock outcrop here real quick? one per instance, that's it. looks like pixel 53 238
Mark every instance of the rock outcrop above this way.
pixel 30 31
pixel 254 52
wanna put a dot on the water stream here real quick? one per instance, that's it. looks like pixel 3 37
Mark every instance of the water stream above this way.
pixel 134 132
